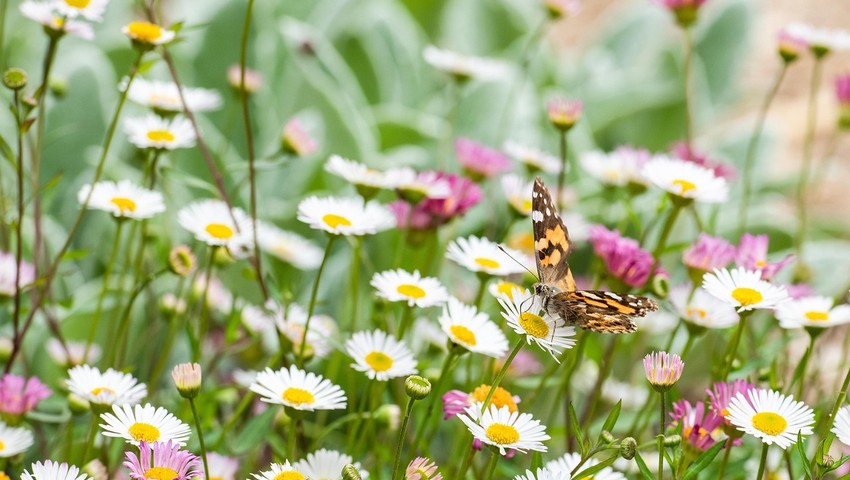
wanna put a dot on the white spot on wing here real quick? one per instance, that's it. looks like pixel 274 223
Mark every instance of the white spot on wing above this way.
pixel 537 216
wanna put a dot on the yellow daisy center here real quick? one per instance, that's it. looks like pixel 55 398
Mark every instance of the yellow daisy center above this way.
pixel 334 221
pixel 124 204
pixel 761 263
pixel 144 31
pixel 2 447
pixel 97 391
pixel 684 186
pixel 58 22
pixel 78 3
pixel 144 432
pixel 411 291
pixel 3 476
pixel 526 205
pixel 501 397
pixel 769 423
pixel 534 325
pixel 379 361
pixel 289 475
pixel 486 262
pixel 502 434
pixel 215 477
pixel 746 296
pixel 697 312
pixel 160 136
pixel 298 396
pixel 817 316
pixel 507 288
pixel 219 231
pixel 160 473
pixel 463 334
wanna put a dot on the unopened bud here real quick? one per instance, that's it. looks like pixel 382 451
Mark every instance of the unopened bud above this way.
pixel 672 441
pixel 389 415
pixel 417 387
pixel 187 378
pixel 826 461
pixel 564 113
pixel 350 473
pixel 607 437
pixel 15 78
pixel 661 285
pixel 182 261
pixel 628 447
pixel 58 86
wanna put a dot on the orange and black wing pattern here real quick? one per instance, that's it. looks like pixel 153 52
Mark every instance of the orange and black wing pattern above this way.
pixel 551 240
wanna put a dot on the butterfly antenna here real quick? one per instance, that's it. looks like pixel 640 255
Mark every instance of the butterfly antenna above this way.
pixel 517 261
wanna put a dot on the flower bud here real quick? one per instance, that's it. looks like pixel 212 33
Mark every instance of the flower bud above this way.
pixel 96 470
pixel 6 345
pixel 606 436
pixel 826 461
pixel 182 261
pixel 350 473
pixel 15 78
pixel 672 441
pixel 417 387
pixel 58 86
pixel 389 415
pixel 628 447
pixel 187 378
pixel 77 404
pixel 564 113
pixel 253 79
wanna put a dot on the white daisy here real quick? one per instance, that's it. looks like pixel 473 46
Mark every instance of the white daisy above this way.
pixel 356 173
pixel 505 430
pixel 72 353
pixel 518 193
pixel 427 334
pixel 219 298
pixel 503 289
pixel 345 216
pixel 298 389
pixel 47 14
pixel 414 186
pixel 482 255
pixel 543 474
pixel 402 286
pixel 149 33
pixel 166 97
pixel 524 314
pixel 110 387
pixel 9 271
pixel 770 416
pixel 153 131
pixel 703 309
pixel 841 426
pixel 327 465
pixel 686 179
pixel 291 325
pixel 380 356
pixel 91 10
pixel 146 423
pixel 464 66
pixel 472 330
pixel 123 199
pixel 743 289
pixel 816 311
pixel 50 470
pixel 13 440
pixel 280 471
pixel 289 247
pixel 222 467
pixel 212 223
pixel 820 38
pixel 618 168
pixel 533 158
pixel 568 462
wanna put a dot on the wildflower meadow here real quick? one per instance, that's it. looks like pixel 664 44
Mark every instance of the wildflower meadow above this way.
pixel 443 239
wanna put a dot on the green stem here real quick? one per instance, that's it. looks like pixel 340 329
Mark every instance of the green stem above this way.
pixel 200 436
pixel 90 439
pixel 482 287
pixel 501 374
pixel 491 465
pixel 805 363
pixel 805 171
pixel 733 347
pixel 293 437
pixel 106 274
pixel 406 320
pixel 19 241
pixel 726 454
pixel 839 401
pixel 661 438
pixel 203 318
pixel 119 348
pixel 688 343
pixel 688 86
pixel 562 175
pixel 300 360
pixel 762 462
pixel 665 231
pixel 467 461
pixel 355 284
pixel 401 435
pixel 436 392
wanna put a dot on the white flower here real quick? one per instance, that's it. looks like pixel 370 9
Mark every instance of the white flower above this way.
pixel 345 216
pixel 46 13
pixel 153 131
pixel 72 353
pixel 91 10
pixel 290 323
pixel 356 173
pixel 219 298
pixel 518 193
pixel 123 199
pixel 702 309
pixel 9 271
pixel 464 66
pixel 212 222
pixel 146 32
pixel 472 330
pixel 814 311
pixel 505 430
pixel 618 168
pixel 50 470
pixel 524 314
pixel 428 184
pixel 165 96
pixel 401 286
pixel 825 38
pixel 298 389
pixel 543 474
pixel 289 247
pixel 427 334
pixel 13 440
pixel 503 289
pixel 280 471
pixel 482 255
pixel 380 356
pixel 841 426
pixel 686 179
pixel 144 424
pixel 770 416
pixel 743 289
pixel 109 387
pixel 533 158
pixel 327 465
pixel 222 467
pixel 568 462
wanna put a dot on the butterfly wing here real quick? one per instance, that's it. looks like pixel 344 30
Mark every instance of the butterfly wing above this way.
pixel 551 240
pixel 602 311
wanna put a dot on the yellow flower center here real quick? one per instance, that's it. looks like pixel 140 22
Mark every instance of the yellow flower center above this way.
pixel 124 204
pixel 411 291
pixel 58 22
pixel 817 316
pixel 298 396
pixel 507 288
pixel 761 263
pixel 160 136
pixel 78 3
pixel 501 397
pixel 289 475
pixel 684 186
pixel 216 477
pixel 3 476
pixel 523 242
pixel 144 31
pixel 746 296
pixel 379 361
pixel 769 423
pixel 463 335
pixel 160 473
pixel 219 231
pixel 144 432
pixel 697 312
pixel 526 205
pixel 534 325
pixel 97 391
pixel 2 447
pixel 334 221
pixel 486 262
pixel 502 434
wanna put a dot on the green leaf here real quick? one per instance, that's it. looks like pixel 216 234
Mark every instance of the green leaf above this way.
pixel 590 471
pixel 536 461
pixel 644 470
pixel 611 421
pixel 255 432
pixel 575 427
pixel 703 461
pixel 801 450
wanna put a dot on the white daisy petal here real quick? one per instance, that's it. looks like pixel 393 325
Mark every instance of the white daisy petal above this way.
pixel 345 216
pixel 569 461
pixel 165 96
pixel 153 131
pixel 356 173
pixel 816 311
pixel 110 387
pixel 743 289
pixel 48 14
pixel 686 179
pixel 51 470
pixel 298 389
pixel 518 193
pixel 524 314
pixel 770 416
pixel 380 356
pixel 137 423
pixel 14 440
pixel 544 474
pixel 823 38
pixel 327 464
pixel 212 222
pixel 91 10
pixel 533 158
pixel 841 426
pixel 702 309
pixel 401 286
pixel 123 199
pixel 278 471
pixel 618 168
pixel 505 430
pixel 482 255
pixel 465 66
pixel 289 247
pixel 473 330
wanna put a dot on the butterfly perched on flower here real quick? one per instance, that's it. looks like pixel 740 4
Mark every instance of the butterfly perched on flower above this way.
pixel 595 310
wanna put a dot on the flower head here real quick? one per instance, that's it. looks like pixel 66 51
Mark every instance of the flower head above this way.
pixel 721 393
pixel 9 271
pixel 569 461
pixel 770 416
pixel 700 428
pixel 525 315
pixel 685 11
pixel 49 15
pixel 545 474
pixel 686 180
pixel 455 402
pixel 108 388
pixel 534 159
pixel 345 216
pixel 367 180
pixel 51 470
pixel 623 257
pixel 222 467
pixel 326 464
pixel 71 353
pixel 789 45
pixel 295 139
pixel 182 261
pixel 412 288
pixel 291 325
pixel 842 94
pixel 91 10
pixel 701 308
pixel 162 461
pixel 841 426
pixel 14 440
pixel 380 356
pixel 253 79
pixel 821 41
pixel 165 96
pixel 298 389
pixel 123 199
pixel 19 395
pixel 743 289
pixel 148 34
pixel 662 369
pixel 288 246
pixel 434 212
pixel 814 311
pixel 564 112
pixel 618 168
pixel 473 330
pixel 144 424
pixel 187 378
pixel 482 255
pixel 464 67
pixel 480 161
pixel 562 8
pixel 153 131
pixel 504 429
pixel 421 468
pixel 686 152
pixel 518 193
pixel 752 255
pixel 708 253
pixel 415 187
pixel 217 225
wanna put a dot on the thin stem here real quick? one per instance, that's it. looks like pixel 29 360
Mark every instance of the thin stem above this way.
pixel 805 364
pixel 200 436
pixel 762 462
pixel 203 318
pixel 688 87
pixel 805 170
pixel 406 320
pixel 293 437
pixel 435 394
pixel 401 433
pixel 562 175
pixel 839 401
pixel 661 437
pixel 106 274
pixel 482 287
pixel 491 465
pixel 355 283
pixel 733 348
pixel 19 247
pixel 501 374
pixel 90 439
pixel 300 360
pixel 665 231
pixel 726 454
pixel 118 349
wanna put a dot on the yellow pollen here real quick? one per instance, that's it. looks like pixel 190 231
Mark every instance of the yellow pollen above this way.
pixel 219 231
pixel 526 205
pixel 761 263
pixel 698 312
pixel 58 22
pixel 746 296
pixel 78 3
pixel 144 31
pixel 124 204
pixel 724 412
pixel 769 423
pixel 502 434
pixel 464 335
pixel 298 396
pixel 97 391
pixel 160 136
pixel 486 262
pixel 3 476
pixel 501 397
pixel 214 477
pixel 534 325
pixel 334 221
pixel 289 475
pixel 817 316
pixel 379 361
pixel 144 432
pixel 507 288
pixel 2 447
pixel 160 473
pixel 684 185
pixel 411 291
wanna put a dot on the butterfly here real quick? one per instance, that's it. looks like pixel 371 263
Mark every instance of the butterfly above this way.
pixel 595 310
